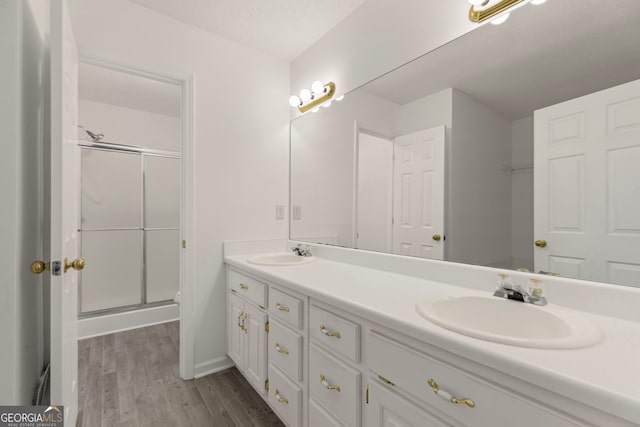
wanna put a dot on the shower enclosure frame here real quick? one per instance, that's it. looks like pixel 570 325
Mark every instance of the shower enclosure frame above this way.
pixel 144 153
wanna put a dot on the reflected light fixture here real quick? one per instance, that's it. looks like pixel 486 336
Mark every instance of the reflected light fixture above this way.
pixel 498 12
pixel 320 94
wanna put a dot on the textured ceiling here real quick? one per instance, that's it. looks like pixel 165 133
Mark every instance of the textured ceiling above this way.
pixel 541 56
pixel 284 28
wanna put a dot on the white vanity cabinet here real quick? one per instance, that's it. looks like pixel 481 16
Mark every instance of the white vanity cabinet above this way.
pixel 287 355
pixel 450 391
pixel 335 379
pixel 330 367
pixel 247 328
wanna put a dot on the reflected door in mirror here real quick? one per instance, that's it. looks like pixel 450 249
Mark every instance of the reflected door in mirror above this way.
pixel 587 186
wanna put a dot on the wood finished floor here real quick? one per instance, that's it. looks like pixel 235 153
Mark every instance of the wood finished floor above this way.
pixel 131 379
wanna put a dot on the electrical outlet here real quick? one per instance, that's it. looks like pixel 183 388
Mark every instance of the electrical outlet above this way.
pixel 297 212
pixel 279 211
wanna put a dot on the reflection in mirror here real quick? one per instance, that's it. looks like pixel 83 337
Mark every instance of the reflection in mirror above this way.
pixel 438 158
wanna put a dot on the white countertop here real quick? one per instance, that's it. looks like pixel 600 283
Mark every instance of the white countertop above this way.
pixel 605 376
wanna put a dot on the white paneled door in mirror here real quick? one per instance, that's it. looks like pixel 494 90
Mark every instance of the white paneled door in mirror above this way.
pixel 418 200
pixel 587 186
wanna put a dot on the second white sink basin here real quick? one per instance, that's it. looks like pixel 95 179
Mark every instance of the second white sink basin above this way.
pixel 511 322
pixel 280 259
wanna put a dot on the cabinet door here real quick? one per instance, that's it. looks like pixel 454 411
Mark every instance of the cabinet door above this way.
pixel 388 409
pixel 256 350
pixel 236 335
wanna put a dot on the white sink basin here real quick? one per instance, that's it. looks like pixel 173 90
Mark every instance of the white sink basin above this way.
pixel 280 259
pixel 511 322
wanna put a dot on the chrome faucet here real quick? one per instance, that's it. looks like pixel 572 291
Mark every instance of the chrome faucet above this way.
pixel 298 250
pixel 513 292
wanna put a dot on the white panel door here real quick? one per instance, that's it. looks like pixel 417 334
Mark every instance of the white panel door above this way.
pixel 236 331
pixel 418 194
pixel 388 409
pixel 587 186
pixel 64 205
pixel 256 348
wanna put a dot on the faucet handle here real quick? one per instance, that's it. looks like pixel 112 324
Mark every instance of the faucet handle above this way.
pixel 535 287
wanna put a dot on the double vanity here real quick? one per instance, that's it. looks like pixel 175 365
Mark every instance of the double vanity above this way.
pixel 353 338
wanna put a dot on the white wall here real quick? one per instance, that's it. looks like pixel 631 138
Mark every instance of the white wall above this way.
pixel 241 144
pixel 21 112
pixel 378 37
pixel 121 125
pixel 522 193
pixel 322 167
pixel 479 205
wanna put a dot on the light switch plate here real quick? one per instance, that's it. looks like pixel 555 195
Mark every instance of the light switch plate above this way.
pixel 279 211
pixel 297 212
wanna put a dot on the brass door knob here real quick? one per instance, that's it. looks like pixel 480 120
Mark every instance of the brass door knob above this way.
pixel 540 243
pixel 76 264
pixel 436 237
pixel 38 267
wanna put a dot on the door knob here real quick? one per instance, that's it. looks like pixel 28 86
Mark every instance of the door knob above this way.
pixel 540 243
pixel 76 264
pixel 436 237
pixel 38 267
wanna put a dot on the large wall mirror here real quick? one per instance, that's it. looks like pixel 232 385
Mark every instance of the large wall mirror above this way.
pixel 514 146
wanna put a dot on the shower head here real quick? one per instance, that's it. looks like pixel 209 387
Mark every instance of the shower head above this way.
pixel 97 137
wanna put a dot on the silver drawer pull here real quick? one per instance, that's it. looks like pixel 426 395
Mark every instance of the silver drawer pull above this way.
pixel 280 398
pixel 281 349
pixel 282 307
pixel 326 384
pixel 244 287
pixel 329 333
pixel 448 397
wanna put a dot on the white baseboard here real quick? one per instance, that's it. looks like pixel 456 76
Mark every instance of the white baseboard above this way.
pixel 117 322
pixel 212 366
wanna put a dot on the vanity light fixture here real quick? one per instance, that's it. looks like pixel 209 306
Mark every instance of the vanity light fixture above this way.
pixel 498 12
pixel 320 94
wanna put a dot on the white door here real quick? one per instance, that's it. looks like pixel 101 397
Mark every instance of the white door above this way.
pixel 387 409
pixel 256 347
pixel 587 186
pixel 236 331
pixel 64 161
pixel 418 194
pixel 374 208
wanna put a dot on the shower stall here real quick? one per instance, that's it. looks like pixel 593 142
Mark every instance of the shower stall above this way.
pixel 130 216
pixel 131 182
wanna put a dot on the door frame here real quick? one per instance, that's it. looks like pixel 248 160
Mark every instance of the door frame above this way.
pixel 359 127
pixel 186 82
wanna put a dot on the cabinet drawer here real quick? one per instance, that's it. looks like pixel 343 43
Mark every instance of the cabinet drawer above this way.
pixel 334 333
pixel 285 397
pixel 318 417
pixel 286 308
pixel 335 385
pixel 411 370
pixel 247 287
pixel 285 350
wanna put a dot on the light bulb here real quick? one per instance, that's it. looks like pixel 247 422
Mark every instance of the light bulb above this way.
pixel 305 95
pixel 537 2
pixel 476 2
pixel 340 98
pixel 294 101
pixel 315 110
pixel 500 19
pixel 317 87
pixel 327 104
